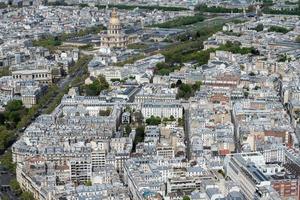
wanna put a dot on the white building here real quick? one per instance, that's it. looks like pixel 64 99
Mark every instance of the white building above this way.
pixel 41 75
pixel 162 109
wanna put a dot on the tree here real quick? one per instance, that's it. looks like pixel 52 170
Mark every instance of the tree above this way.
pixel 97 86
pixel 14 105
pixel 188 90
pixel 178 83
pixel 186 198
pixel 144 7
pixel 139 135
pixel 88 183
pixel 127 129
pixel 15 186
pixel 165 119
pixel 251 74
pixel 185 91
pixel 181 21
pixel 214 9
pixel 26 196
pixel 197 85
pixel 172 118
pixel 14 111
pixel 257 87
pixel 180 122
pixel 140 130
pixel 235 48
pixel 105 112
pixel 5 197
pixel 4 71
pixel 51 42
pixel 282 58
pixel 153 120
pixel 6 161
pixel 164 69
pixel 7 137
pixel 259 27
pixel 278 29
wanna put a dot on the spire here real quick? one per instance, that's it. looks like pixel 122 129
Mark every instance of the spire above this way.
pixel 114 13
pixel 114 18
pixel 107 7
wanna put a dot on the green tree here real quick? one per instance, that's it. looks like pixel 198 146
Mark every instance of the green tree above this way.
pixel 172 118
pixel 105 112
pixel 235 48
pixel 48 42
pixel 7 137
pixel 14 111
pixel 186 91
pixel 186 198
pixel 4 71
pixel 2 118
pixel 5 197
pixel 251 74
pixel 268 2
pixel 164 68
pixel 282 58
pixel 14 105
pixel 145 7
pixel 51 42
pixel 259 27
pixel 97 86
pixel 140 46
pixel 178 83
pixel 15 186
pixel 214 9
pixel 181 21
pixel 153 120
pixel 140 130
pixel 88 183
pixel 26 196
pixel 127 129
pixel 139 135
pixel 180 122
pixel 278 29
pixel 196 86
pixel 6 161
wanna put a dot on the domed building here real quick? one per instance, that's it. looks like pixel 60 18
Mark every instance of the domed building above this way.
pixel 114 36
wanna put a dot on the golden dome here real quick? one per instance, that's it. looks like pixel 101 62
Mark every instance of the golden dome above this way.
pixel 114 18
